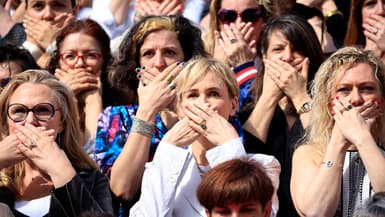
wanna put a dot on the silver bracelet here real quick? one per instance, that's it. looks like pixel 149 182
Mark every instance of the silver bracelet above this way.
pixel 143 127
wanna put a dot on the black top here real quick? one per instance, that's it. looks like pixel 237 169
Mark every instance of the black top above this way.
pixel 88 190
pixel 280 143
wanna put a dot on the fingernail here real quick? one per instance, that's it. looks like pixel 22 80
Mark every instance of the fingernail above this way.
pixel 137 70
pixel 138 76
pixel 177 63
pixel 143 67
pixel 337 97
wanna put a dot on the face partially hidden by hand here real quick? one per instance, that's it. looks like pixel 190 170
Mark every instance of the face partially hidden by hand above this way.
pixel 48 9
pixel 212 92
pixel 359 87
pixel 29 94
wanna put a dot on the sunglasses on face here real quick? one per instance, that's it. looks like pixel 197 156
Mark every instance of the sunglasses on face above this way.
pixel 252 15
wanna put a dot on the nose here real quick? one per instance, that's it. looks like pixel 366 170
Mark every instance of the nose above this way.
pixel 48 14
pixel 380 8
pixel 287 55
pixel 31 119
pixel 356 98
pixel 159 62
pixel 80 63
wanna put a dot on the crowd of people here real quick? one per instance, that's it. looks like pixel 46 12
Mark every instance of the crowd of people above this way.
pixel 211 108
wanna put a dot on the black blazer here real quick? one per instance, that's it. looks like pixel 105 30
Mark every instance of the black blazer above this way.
pixel 88 190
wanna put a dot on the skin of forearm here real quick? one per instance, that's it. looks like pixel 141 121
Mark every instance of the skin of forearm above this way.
pixel 119 9
pixel 322 193
pixel 374 161
pixel 258 124
pixel 125 180
pixel 92 109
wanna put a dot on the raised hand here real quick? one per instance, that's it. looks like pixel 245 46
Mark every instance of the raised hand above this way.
pixel 43 33
pixel 79 80
pixel 291 80
pixel 181 134
pixel 151 7
pixel 39 146
pixel 9 153
pixel 156 90
pixel 374 30
pixel 350 122
pixel 209 124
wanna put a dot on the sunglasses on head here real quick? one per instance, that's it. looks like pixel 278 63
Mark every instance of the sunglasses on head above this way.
pixel 252 15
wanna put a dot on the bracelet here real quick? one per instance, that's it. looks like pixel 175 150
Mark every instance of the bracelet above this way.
pixel 334 12
pixel 328 163
pixel 143 127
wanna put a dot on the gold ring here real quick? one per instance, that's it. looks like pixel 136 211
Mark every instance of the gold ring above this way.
pixel 202 124
pixel 169 78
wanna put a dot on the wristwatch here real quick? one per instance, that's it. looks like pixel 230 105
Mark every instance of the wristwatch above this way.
pixel 306 107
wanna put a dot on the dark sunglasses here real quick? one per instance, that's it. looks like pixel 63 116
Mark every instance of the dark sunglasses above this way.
pixel 4 81
pixel 252 15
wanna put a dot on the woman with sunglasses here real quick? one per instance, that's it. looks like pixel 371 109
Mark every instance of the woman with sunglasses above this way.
pixel 81 60
pixel 232 37
pixel 50 173
pixel 276 119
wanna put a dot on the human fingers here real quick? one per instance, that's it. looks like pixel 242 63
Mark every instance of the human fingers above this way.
pixel 305 68
pixel 170 7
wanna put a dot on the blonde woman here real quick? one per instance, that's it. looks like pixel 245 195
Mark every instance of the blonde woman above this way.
pixel 341 163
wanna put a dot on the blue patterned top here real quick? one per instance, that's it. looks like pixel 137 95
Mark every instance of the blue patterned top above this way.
pixel 114 126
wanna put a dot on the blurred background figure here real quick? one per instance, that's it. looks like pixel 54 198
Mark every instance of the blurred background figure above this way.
pixel 373 207
pixel 13 60
pixel 366 26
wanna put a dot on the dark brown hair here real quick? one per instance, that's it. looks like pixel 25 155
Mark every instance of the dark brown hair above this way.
pixel 354 33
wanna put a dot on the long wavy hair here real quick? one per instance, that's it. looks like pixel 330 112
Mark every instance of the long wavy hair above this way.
pixel 321 120
pixel 122 72
pixel 70 139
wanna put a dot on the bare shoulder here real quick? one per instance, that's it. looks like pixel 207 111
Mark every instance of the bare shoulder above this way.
pixel 307 153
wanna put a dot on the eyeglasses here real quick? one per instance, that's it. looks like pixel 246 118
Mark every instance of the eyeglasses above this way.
pixel 91 58
pixel 4 81
pixel 43 111
pixel 252 15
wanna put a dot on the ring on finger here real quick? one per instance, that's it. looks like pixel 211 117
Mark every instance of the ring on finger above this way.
pixel 233 40
pixel 172 85
pixel 375 31
pixel 32 144
pixel 170 78
pixel 349 107
pixel 202 124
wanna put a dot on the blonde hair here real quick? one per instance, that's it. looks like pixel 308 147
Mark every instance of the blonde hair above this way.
pixel 199 67
pixel 321 120
pixel 70 139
